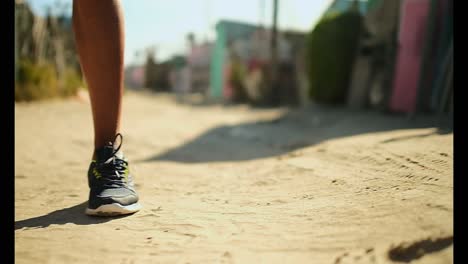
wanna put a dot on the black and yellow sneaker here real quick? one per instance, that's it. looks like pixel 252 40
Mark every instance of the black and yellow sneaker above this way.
pixel 111 184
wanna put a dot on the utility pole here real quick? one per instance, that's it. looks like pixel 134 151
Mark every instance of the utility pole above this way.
pixel 262 13
pixel 16 40
pixel 274 53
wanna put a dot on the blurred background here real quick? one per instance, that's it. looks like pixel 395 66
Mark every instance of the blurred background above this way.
pixel 384 54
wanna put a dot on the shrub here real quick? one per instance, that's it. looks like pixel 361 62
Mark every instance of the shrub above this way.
pixel 35 81
pixel 330 54
pixel 72 82
pixel 39 81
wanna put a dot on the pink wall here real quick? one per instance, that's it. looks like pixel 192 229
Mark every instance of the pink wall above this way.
pixel 413 20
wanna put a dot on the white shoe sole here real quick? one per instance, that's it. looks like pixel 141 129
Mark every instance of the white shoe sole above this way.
pixel 113 209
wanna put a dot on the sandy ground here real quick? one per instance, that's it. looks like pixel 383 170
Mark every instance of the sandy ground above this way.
pixel 237 185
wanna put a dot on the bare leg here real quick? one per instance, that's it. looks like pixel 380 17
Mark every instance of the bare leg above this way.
pixel 99 35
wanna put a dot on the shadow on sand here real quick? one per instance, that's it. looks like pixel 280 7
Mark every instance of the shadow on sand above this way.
pixel 294 130
pixel 71 215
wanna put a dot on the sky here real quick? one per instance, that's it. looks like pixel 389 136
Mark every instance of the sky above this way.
pixel 164 24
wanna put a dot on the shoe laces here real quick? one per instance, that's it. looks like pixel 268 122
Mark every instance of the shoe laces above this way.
pixel 113 172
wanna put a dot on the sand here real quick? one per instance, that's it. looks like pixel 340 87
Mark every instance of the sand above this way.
pixel 237 185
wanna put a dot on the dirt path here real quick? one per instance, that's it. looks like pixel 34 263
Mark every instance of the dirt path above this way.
pixel 236 185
